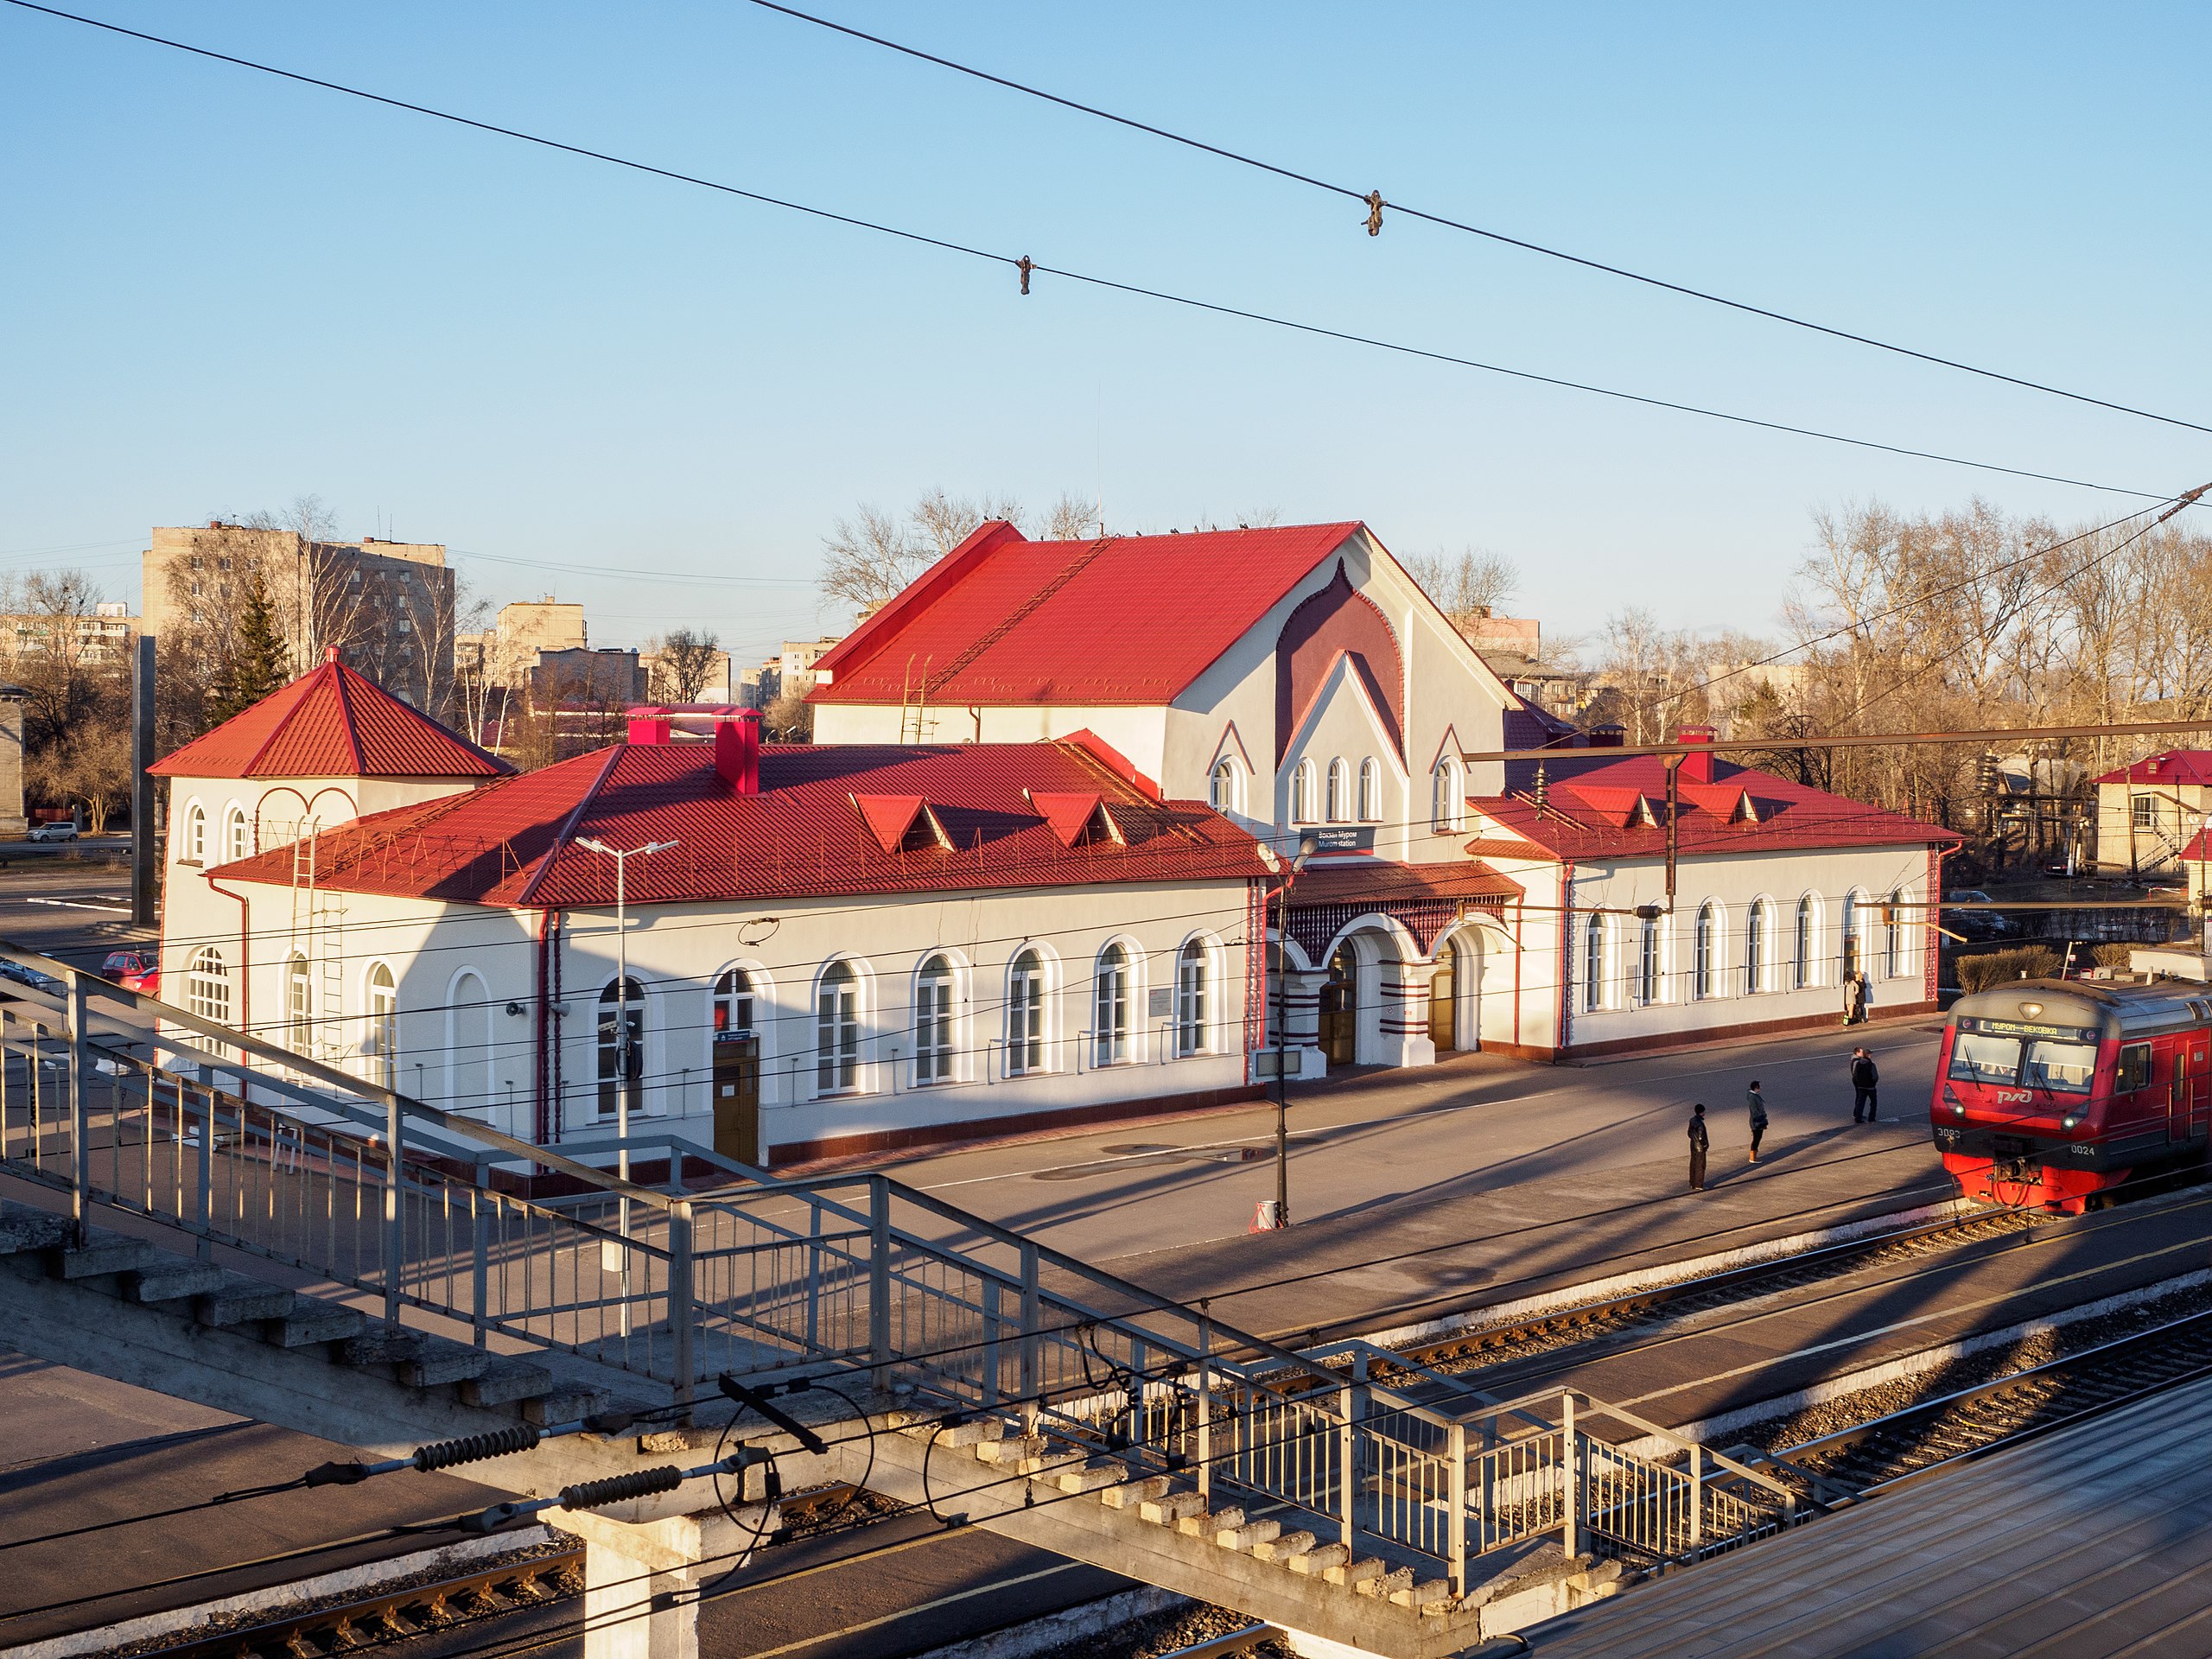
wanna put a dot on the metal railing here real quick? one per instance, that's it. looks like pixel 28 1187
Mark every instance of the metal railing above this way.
pixel 122 1102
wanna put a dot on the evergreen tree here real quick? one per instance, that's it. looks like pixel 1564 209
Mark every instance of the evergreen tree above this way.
pixel 260 664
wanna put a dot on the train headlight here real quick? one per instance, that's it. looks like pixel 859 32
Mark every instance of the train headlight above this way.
pixel 1958 1108
pixel 2068 1121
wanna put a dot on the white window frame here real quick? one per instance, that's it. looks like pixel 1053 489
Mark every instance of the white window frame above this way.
pixel 1194 982
pixel 1651 962
pixel 1758 946
pixel 1337 807
pixel 1805 944
pixel 380 1016
pixel 1370 791
pixel 1448 801
pixel 936 1032
pixel 299 1003
pixel 1114 991
pixel 1705 953
pixel 207 985
pixel 194 840
pixel 837 1029
pixel 237 834
pixel 1301 792
pixel 1028 1012
pixel 1225 788
pixel 1593 965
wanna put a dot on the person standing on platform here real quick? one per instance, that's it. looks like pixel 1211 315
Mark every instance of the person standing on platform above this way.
pixel 1699 1142
pixel 1854 998
pixel 1755 1103
pixel 1863 1077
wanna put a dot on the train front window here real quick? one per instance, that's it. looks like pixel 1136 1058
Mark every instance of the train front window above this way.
pixel 1976 1057
pixel 2063 1068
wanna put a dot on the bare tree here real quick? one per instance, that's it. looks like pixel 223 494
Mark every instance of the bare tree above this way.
pixel 683 662
pixel 90 766
pixel 789 718
pixel 1073 519
pixel 1471 582
pixel 942 522
pixel 870 557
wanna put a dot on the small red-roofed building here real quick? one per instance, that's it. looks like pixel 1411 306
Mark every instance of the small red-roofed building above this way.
pixel 834 950
pixel 1778 891
pixel 2151 810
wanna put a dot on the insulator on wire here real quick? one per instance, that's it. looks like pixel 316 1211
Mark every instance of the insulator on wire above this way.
pixel 638 1483
pixel 339 1474
pixel 474 1448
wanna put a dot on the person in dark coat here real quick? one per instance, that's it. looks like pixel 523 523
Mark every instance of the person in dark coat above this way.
pixel 1854 998
pixel 1863 1076
pixel 1699 1142
pixel 1755 1103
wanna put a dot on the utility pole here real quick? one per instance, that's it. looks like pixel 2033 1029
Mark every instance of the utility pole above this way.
pixel 1308 846
pixel 142 781
pixel 622 1079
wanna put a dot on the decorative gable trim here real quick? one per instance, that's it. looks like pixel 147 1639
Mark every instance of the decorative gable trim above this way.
pixel 1077 820
pixel 1448 744
pixel 1231 743
pixel 902 823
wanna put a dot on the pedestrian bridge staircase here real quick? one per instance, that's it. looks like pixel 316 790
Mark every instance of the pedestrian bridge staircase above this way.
pixel 1340 1491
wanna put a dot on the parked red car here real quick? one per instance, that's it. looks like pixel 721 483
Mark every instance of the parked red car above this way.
pixel 137 970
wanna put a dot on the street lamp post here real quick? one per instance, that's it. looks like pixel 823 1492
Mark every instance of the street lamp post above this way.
pixel 1308 846
pixel 622 857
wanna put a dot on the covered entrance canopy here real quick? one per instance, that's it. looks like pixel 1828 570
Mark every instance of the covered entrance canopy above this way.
pixel 1423 899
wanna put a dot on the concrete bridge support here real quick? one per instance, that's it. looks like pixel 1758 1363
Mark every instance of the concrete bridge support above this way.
pixel 642 1579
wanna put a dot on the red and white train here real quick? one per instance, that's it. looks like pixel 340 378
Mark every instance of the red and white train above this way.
pixel 2050 1093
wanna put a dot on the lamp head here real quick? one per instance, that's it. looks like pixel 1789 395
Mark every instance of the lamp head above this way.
pixel 1308 846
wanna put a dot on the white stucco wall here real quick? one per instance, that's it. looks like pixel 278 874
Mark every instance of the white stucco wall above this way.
pixel 461 1047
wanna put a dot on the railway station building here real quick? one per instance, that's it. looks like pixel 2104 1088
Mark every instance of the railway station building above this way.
pixel 835 950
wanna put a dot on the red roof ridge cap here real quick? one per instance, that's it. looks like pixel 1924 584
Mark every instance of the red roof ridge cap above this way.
pixel 346 712
pixel 567 827
pixel 865 641
pixel 1096 750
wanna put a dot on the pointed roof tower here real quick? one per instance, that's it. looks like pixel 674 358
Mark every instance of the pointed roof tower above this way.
pixel 332 722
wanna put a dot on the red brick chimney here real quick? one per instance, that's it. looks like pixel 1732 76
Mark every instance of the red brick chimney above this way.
pixel 1697 768
pixel 737 750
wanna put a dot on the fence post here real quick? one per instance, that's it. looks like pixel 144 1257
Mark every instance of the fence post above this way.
pixel 1033 1367
pixel 681 1312
pixel 1570 1477
pixel 80 1152
pixel 480 1278
pixel 1355 1410
pixel 1697 1500
pixel 207 1173
pixel 1206 1403
pixel 989 1392
pixel 878 1278
pixel 1458 1508
pixel 394 1254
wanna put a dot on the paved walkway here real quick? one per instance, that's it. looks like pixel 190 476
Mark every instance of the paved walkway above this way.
pixel 1418 1193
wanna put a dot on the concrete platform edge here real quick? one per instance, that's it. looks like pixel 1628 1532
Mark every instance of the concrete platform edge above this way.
pixel 179 1623
pixel 1663 1273
pixel 1056 1630
pixel 1709 1429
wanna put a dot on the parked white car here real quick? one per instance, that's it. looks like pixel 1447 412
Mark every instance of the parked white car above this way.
pixel 54 832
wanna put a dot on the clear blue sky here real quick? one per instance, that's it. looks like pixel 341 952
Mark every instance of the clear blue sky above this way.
pixel 221 291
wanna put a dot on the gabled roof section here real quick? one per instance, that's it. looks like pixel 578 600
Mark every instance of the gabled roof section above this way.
pixel 1618 810
pixel 331 723
pixel 2170 766
pixel 1127 620
pixel 832 821
pixel 902 824
pixel 1077 819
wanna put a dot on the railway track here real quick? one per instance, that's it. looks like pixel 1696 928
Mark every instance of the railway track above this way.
pixel 1885 1452
pixel 1478 1348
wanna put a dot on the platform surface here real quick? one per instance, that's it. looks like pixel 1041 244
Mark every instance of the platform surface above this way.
pixel 2089 1543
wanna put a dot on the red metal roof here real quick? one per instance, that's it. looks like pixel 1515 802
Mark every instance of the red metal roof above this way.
pixel 1594 812
pixel 331 723
pixel 2173 766
pixel 1377 882
pixel 1128 620
pixel 511 843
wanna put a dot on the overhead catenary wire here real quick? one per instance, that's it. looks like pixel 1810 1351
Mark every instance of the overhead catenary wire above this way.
pixel 1375 201
pixel 1023 265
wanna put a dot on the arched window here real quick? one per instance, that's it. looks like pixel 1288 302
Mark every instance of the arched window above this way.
pixel 195 834
pixel 1371 790
pixel 1025 1015
pixel 237 834
pixel 1448 808
pixel 468 1044
pixel 299 1005
pixel 1110 1026
pixel 382 1048
pixel 1892 937
pixel 1705 960
pixel 1593 965
pixel 207 985
pixel 732 1011
pixel 837 1030
pixel 621 1047
pixel 1192 1032
pixel 1802 967
pixel 1339 791
pixel 1301 793
pixel 933 1022
pixel 1647 961
pixel 1754 937
pixel 1854 927
pixel 1221 793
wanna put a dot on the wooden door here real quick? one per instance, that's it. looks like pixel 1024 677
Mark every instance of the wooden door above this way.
pixel 1339 1032
pixel 1444 1008
pixel 737 1096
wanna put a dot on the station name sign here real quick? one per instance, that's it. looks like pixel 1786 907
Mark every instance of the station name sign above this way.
pixel 2020 1028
